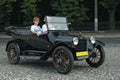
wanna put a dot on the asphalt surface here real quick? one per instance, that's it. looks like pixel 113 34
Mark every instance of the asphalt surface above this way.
pixel 34 69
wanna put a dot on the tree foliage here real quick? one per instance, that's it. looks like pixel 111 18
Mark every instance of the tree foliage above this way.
pixel 21 12
pixel 29 9
pixel 110 5
pixel 74 10
pixel 6 9
pixel 24 10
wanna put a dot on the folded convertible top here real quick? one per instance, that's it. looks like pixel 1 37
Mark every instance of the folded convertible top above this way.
pixel 17 31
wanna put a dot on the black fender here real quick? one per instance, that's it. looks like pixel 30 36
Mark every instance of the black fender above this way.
pixel 99 43
pixel 92 46
pixel 16 43
pixel 68 45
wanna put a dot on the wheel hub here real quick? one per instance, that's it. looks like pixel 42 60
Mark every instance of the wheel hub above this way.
pixel 94 55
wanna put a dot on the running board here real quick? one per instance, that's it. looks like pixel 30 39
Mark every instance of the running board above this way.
pixel 33 53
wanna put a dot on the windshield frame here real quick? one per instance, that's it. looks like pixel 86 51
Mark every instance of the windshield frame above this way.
pixel 57 23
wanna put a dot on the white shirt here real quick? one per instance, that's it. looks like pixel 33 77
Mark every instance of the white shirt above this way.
pixel 44 28
pixel 36 29
pixel 50 26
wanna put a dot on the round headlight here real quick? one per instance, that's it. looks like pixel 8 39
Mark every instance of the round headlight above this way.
pixel 92 39
pixel 75 40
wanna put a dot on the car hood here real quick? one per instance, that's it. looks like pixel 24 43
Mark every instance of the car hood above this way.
pixel 64 38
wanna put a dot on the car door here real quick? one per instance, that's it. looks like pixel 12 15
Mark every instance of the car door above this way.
pixel 40 43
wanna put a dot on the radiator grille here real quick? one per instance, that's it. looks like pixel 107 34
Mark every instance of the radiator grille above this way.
pixel 82 45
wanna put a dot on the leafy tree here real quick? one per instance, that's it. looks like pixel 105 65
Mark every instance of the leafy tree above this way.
pixel 110 5
pixel 74 10
pixel 29 9
pixel 6 11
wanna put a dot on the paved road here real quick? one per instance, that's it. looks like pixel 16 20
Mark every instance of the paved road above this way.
pixel 33 69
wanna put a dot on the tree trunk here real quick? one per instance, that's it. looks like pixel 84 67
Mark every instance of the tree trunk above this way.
pixel 112 18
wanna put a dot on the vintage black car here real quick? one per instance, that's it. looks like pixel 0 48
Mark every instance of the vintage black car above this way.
pixel 58 44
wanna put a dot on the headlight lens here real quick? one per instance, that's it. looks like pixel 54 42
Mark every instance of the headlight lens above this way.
pixel 75 40
pixel 92 39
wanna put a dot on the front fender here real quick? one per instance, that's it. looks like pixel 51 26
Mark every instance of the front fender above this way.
pixel 99 43
pixel 91 46
pixel 64 44
pixel 68 45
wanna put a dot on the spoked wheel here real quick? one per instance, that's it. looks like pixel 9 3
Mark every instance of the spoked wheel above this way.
pixel 97 57
pixel 63 60
pixel 12 53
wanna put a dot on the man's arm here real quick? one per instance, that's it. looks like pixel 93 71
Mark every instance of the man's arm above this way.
pixel 32 30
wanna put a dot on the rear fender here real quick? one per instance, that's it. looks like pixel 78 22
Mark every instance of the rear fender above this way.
pixel 16 43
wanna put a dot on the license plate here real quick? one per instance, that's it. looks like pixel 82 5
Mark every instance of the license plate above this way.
pixel 83 53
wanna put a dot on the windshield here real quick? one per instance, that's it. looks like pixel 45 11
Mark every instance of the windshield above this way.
pixel 57 26
pixel 57 23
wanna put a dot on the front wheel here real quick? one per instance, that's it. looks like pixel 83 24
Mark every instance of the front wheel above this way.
pixel 97 57
pixel 12 53
pixel 62 60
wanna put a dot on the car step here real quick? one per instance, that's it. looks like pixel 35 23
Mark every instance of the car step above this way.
pixel 33 53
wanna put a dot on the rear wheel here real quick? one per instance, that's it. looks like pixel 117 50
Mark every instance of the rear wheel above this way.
pixel 12 53
pixel 97 57
pixel 63 60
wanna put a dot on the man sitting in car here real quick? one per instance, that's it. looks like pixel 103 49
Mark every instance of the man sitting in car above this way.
pixel 44 27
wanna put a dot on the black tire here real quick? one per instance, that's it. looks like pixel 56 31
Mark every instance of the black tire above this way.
pixel 12 53
pixel 63 60
pixel 97 58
